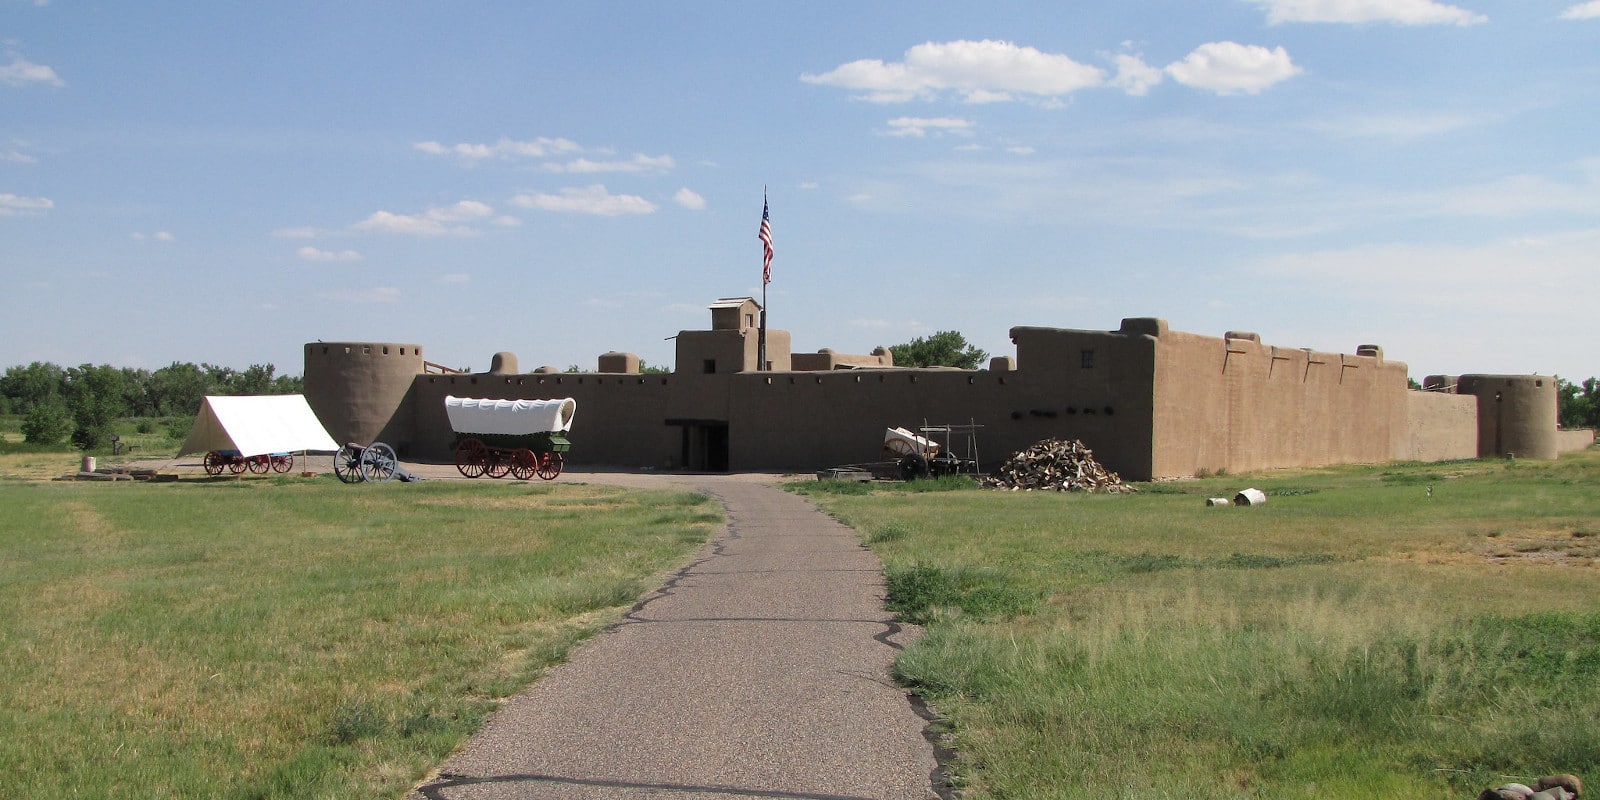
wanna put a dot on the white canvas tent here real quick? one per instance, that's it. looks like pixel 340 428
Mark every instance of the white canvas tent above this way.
pixel 257 425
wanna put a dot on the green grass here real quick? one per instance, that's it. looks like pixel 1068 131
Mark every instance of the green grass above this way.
pixel 1355 637
pixel 296 638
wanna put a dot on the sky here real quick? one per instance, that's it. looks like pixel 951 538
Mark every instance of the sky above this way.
pixel 224 182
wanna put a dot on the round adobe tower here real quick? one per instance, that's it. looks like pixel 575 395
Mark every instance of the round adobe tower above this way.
pixel 362 390
pixel 1516 414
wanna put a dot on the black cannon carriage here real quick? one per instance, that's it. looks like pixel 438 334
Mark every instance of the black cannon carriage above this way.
pixel 520 438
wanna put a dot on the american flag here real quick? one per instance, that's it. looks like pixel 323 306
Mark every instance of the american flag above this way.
pixel 766 244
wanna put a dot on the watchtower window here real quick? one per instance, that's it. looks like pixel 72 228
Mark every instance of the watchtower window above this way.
pixel 749 320
pixel 710 366
pixel 1086 359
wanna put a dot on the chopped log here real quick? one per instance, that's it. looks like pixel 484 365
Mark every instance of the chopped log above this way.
pixel 1062 465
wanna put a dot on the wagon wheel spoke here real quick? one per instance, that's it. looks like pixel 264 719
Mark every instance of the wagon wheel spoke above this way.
pixel 499 463
pixel 550 465
pixel 524 463
pixel 347 464
pixel 471 457
pixel 379 463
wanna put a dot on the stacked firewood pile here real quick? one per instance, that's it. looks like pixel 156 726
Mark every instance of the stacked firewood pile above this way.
pixel 1062 465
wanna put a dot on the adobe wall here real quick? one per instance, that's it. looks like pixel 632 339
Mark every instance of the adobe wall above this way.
pixel 361 391
pixel 798 421
pixel 1439 427
pixel 1236 404
pixel 1569 441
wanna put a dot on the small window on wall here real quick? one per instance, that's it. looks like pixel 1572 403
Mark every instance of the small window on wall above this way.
pixel 749 320
pixel 710 366
pixel 1086 359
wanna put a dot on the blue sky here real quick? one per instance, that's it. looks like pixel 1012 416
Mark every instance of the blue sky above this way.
pixel 223 182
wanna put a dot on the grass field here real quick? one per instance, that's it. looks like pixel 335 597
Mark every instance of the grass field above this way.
pixel 286 637
pixel 1418 631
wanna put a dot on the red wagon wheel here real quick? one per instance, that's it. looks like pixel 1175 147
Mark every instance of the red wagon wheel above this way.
pixel 237 464
pixel 283 463
pixel 472 457
pixel 523 463
pixel 499 463
pixel 214 463
pixel 260 465
pixel 550 465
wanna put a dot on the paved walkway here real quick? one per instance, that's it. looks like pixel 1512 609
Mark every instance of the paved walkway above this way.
pixel 760 670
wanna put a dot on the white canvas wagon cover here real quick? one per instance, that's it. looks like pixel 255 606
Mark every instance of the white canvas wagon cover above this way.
pixel 257 425
pixel 512 417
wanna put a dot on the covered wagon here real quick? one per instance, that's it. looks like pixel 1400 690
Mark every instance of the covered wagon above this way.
pixel 521 438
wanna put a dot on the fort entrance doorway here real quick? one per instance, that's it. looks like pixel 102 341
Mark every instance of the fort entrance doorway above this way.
pixel 704 444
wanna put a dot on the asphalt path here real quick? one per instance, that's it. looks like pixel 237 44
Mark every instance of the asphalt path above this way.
pixel 759 670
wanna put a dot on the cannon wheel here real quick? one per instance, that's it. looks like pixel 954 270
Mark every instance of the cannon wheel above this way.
pixel 347 464
pixel 499 463
pixel 472 457
pixel 550 465
pixel 913 467
pixel 379 463
pixel 214 463
pixel 260 465
pixel 524 463
pixel 283 463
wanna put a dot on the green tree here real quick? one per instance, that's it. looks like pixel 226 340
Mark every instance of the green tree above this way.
pixel 1578 405
pixel 46 423
pixel 95 396
pixel 942 349
pixel 178 389
pixel 25 387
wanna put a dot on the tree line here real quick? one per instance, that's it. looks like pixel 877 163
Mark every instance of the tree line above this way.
pixel 84 401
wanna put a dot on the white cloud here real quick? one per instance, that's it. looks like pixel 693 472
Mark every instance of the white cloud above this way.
pixel 689 199
pixel 158 236
pixel 1589 10
pixel 541 147
pixel 977 72
pixel 12 205
pixel 17 157
pixel 639 163
pixel 297 233
pixel 587 200
pixel 438 221
pixel 1232 68
pixel 1020 150
pixel 1134 76
pixel 21 72
pixel 331 256
pixel 920 126
pixel 375 295
pixel 1403 12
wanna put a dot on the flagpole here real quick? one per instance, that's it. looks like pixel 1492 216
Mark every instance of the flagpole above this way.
pixel 766 277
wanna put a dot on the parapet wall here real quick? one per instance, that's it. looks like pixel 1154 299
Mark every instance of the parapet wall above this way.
pixel 1235 404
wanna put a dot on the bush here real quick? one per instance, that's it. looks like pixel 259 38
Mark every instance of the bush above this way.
pixel 46 424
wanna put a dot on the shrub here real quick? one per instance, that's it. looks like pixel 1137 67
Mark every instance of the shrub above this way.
pixel 47 423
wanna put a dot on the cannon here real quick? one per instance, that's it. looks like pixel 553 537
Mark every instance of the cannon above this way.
pixel 520 438
pixel 231 460
pixel 375 462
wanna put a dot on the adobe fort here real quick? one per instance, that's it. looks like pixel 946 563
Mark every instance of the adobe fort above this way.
pixel 1151 402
